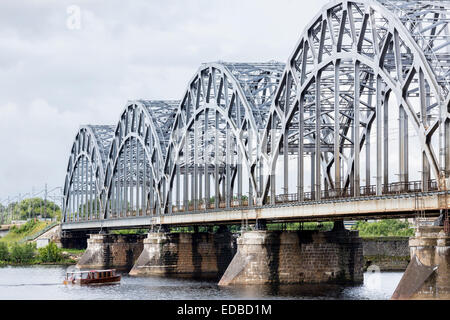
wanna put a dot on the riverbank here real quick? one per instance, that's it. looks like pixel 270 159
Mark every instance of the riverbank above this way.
pixel 28 255
pixel 30 230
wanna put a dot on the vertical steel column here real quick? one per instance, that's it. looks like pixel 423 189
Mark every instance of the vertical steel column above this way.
pixel 116 193
pixel 206 158
pixel 250 159
pixel 151 191
pixel 379 135
pixel 195 172
pixel 403 145
pixel 273 151
pixel 424 97
pixel 386 140
pixel 125 178
pixel 138 156
pixel 92 190
pixel 132 172
pixel 337 129
pixel 86 190
pixel 144 182
pixel 177 183
pixel 239 154
pixel 233 169
pixel 82 201
pixel 78 192
pixel 73 196
pixel 113 198
pixel 356 125
pixel 193 178
pixel 316 173
pixel 447 147
pixel 121 182
pixel 228 151
pixel 286 135
pixel 368 133
pixel 216 168
pixel 300 158
pixel 186 175
pixel 313 175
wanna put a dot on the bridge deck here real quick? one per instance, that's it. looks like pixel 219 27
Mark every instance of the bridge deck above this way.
pixel 394 206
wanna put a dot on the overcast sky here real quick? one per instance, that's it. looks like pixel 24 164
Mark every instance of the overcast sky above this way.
pixel 58 72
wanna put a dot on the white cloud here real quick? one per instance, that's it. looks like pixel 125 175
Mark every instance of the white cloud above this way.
pixel 54 79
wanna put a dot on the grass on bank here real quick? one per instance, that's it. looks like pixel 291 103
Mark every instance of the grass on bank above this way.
pixel 14 252
pixel 30 228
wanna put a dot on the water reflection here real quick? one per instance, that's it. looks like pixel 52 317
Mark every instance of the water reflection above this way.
pixel 45 282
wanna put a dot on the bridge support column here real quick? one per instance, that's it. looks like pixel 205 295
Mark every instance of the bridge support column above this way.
pixel 187 255
pixel 428 273
pixel 111 251
pixel 276 257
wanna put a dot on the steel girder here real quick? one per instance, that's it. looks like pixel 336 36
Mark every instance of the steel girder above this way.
pixel 216 135
pixel 135 183
pixel 85 173
pixel 348 62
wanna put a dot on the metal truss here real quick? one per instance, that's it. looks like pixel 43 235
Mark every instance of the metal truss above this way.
pixel 323 120
pixel 85 177
pixel 355 62
pixel 135 183
pixel 215 140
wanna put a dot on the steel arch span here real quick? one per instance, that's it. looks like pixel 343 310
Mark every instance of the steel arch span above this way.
pixel 355 63
pixel 215 142
pixel 135 183
pixel 359 109
pixel 85 177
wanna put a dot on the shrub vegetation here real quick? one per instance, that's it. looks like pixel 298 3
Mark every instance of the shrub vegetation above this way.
pixel 384 228
pixel 50 253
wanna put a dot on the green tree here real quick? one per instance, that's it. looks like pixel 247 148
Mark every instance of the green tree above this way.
pixel 4 253
pixel 384 228
pixel 21 253
pixel 50 253
pixel 23 228
pixel 34 207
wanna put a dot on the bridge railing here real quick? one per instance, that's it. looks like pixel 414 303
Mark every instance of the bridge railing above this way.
pixel 392 188
pixel 365 191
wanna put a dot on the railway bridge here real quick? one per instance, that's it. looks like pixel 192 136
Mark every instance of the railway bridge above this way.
pixel 354 125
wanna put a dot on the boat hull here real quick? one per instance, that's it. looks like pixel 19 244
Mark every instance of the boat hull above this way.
pixel 109 280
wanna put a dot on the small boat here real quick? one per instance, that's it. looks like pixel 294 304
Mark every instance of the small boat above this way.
pixel 92 277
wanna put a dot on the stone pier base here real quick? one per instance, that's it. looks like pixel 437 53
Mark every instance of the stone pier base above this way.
pixel 267 257
pixel 428 274
pixel 185 255
pixel 111 251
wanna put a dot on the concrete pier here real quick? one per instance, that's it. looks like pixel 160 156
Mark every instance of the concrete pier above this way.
pixel 428 274
pixel 267 257
pixel 193 255
pixel 111 251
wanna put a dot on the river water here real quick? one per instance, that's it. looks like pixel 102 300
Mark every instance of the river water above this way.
pixel 45 283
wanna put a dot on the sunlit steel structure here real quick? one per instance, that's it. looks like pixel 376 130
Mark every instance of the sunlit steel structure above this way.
pixel 365 91
pixel 85 177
